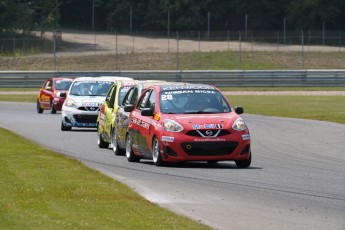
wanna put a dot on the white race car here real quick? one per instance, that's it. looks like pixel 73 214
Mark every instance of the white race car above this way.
pixel 83 101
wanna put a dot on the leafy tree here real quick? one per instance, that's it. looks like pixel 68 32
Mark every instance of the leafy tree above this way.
pixel 310 14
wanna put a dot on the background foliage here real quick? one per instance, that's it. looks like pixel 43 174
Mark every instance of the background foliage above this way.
pixel 183 14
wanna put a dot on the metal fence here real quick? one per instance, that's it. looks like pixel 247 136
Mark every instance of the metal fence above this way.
pixel 34 79
pixel 290 49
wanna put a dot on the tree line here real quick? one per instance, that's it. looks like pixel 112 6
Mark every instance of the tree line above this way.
pixel 175 15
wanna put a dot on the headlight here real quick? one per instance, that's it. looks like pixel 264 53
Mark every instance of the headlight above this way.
pixel 57 94
pixel 239 125
pixel 70 103
pixel 172 126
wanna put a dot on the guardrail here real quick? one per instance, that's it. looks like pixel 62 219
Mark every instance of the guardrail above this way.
pixel 33 79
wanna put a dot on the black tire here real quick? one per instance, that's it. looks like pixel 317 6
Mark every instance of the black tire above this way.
pixel 101 143
pixel 65 128
pixel 244 163
pixel 156 155
pixel 52 109
pixel 38 107
pixel 131 157
pixel 116 148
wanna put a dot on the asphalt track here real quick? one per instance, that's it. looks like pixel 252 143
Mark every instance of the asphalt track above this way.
pixel 296 181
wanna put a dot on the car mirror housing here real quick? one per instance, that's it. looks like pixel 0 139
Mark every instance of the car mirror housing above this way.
pixel 146 112
pixel 129 108
pixel 63 95
pixel 239 110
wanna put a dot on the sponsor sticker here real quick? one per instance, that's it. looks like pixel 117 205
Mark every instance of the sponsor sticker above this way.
pixel 93 104
pixel 209 126
pixel 167 139
pixel 209 139
pixel 219 126
pixel 196 126
pixel 246 137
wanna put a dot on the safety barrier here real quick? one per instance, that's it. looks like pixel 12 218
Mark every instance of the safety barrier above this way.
pixel 33 79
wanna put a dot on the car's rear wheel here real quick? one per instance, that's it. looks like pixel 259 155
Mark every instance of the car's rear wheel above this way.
pixel 65 128
pixel 156 155
pixel 38 107
pixel 101 143
pixel 131 157
pixel 244 163
pixel 116 148
pixel 52 109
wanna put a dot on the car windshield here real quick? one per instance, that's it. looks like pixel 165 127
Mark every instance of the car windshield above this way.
pixel 90 88
pixel 62 85
pixel 193 101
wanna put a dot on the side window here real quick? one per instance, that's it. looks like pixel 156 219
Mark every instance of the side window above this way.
pixel 152 101
pixel 134 97
pixel 126 99
pixel 143 100
pixel 110 98
pixel 48 85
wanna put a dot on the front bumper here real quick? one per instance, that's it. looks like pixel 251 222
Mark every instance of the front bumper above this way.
pixel 177 147
pixel 77 118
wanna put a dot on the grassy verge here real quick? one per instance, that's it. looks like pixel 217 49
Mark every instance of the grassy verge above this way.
pixel 43 190
pixel 232 60
pixel 18 97
pixel 323 108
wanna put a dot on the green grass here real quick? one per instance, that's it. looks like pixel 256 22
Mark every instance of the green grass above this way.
pixel 323 108
pixel 18 97
pixel 232 60
pixel 40 189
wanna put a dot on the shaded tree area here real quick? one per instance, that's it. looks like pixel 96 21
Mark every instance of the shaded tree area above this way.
pixel 157 15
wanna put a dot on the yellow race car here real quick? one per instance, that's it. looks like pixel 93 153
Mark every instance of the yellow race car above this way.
pixel 106 115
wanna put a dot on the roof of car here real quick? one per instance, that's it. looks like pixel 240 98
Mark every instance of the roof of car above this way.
pixel 103 78
pixel 62 78
pixel 147 83
pixel 184 86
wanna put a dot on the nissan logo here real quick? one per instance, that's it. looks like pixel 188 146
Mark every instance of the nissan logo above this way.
pixel 209 133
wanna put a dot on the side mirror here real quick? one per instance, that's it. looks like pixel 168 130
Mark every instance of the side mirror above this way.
pixel 146 112
pixel 63 95
pixel 128 108
pixel 239 110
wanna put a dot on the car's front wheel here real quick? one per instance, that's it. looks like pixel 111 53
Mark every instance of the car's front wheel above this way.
pixel 52 109
pixel 101 143
pixel 131 157
pixel 38 107
pixel 244 163
pixel 156 155
pixel 116 148
pixel 65 128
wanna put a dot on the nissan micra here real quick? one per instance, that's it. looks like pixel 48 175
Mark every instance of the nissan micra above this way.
pixel 178 122
pixel 84 98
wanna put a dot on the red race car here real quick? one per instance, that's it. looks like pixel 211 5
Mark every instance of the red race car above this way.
pixel 49 95
pixel 178 122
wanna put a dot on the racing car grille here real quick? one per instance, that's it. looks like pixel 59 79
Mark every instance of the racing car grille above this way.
pixel 89 108
pixel 209 148
pixel 208 133
pixel 85 118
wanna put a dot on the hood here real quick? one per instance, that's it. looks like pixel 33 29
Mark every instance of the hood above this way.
pixel 88 100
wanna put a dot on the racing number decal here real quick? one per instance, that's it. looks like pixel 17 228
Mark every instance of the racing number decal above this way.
pixel 166 97
pixel 140 123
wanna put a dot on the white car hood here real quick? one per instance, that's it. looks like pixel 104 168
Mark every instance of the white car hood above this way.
pixel 88 100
